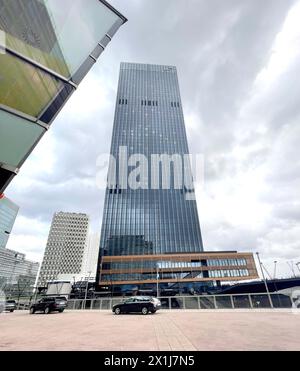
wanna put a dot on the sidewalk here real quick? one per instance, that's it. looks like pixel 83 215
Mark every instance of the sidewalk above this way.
pixel 166 330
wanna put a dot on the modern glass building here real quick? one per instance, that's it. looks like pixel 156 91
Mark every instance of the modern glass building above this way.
pixel 46 49
pixel 150 232
pixel 8 214
pixel 17 275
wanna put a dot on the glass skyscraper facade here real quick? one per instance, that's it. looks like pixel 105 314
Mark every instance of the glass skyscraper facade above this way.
pixel 151 234
pixel 149 121
pixel 46 49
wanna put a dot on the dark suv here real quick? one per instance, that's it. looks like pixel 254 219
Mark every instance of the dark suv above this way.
pixel 137 304
pixel 48 305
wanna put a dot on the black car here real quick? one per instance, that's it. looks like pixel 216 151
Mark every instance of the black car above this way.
pixel 137 304
pixel 49 304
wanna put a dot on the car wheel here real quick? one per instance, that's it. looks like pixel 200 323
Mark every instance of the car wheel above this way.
pixel 12 310
pixel 47 310
pixel 144 310
pixel 32 311
pixel 117 311
pixel 61 310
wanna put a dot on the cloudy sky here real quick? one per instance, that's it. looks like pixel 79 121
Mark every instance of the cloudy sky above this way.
pixel 239 69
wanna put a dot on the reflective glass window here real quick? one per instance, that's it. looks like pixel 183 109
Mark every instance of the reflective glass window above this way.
pixel 50 31
pixel 19 134
pixel 24 87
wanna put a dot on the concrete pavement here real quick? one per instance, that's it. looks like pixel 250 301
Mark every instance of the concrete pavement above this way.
pixel 166 330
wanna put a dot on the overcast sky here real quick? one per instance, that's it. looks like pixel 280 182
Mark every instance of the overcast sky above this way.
pixel 239 71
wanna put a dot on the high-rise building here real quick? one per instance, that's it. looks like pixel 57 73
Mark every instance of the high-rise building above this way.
pixel 149 121
pixel 65 248
pixel 150 231
pixel 8 214
pixel 90 258
pixel 16 273
pixel 46 48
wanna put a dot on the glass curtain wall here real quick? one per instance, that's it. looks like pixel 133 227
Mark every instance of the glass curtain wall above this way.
pixel 46 49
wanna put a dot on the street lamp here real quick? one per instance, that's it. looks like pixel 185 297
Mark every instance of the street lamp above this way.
pixel 264 278
pixel 275 266
pixel 86 289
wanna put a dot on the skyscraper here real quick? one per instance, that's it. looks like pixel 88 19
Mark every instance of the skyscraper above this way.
pixel 65 248
pixel 90 257
pixel 150 229
pixel 149 121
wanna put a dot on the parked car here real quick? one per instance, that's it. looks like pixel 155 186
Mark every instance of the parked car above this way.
pixel 137 304
pixel 49 304
pixel 10 305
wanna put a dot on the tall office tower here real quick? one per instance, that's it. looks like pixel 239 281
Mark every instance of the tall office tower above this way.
pixel 8 214
pixel 65 247
pixel 150 231
pixel 149 120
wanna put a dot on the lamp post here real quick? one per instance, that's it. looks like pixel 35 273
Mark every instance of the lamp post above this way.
pixel 264 278
pixel 86 289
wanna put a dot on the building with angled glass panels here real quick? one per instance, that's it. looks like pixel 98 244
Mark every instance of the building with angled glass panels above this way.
pixel 8 214
pixel 46 49
pixel 151 235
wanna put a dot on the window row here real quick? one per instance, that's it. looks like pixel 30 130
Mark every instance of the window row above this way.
pixel 226 262
pixel 229 273
pixel 149 103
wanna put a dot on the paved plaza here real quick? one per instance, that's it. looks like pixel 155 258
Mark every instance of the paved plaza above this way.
pixel 165 331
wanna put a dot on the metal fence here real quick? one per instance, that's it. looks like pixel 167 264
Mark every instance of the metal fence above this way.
pixel 236 301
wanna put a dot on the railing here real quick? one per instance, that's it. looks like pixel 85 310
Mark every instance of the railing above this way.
pixel 235 301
